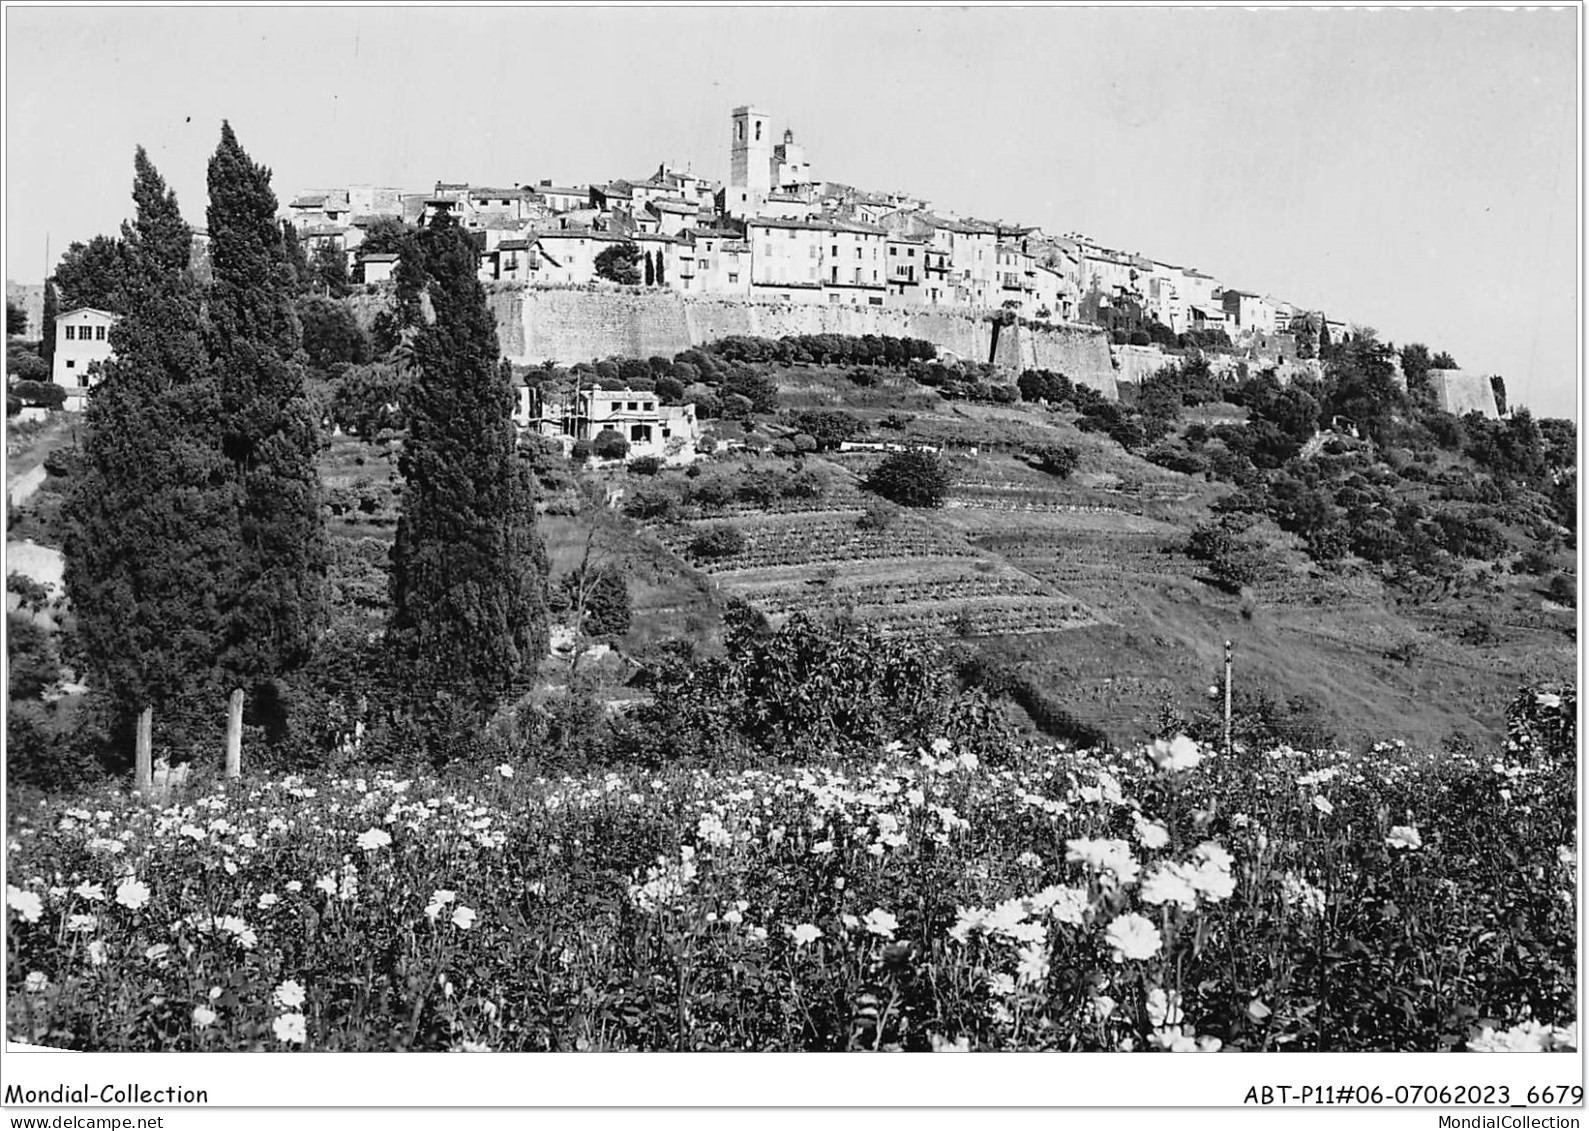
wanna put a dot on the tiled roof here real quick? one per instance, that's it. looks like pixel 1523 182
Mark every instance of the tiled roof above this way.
pixel 680 206
pixel 308 200
pixel 817 225
pixel 497 193
pixel 379 257
pixel 514 245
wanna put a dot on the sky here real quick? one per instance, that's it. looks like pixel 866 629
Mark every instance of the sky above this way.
pixel 1411 170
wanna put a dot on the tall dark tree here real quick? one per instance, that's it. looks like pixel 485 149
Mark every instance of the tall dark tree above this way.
pixel 468 625
pixel 148 510
pixel 297 258
pixel 16 320
pixel 269 435
pixel 52 308
pixel 651 271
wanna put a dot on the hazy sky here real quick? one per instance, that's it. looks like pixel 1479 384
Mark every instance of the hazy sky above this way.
pixel 1412 170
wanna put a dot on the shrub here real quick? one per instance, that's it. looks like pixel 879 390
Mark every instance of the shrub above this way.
pixel 878 516
pixel 610 445
pixel 1563 590
pixel 46 393
pixel 580 452
pixel 911 479
pixel 717 542
pixel 645 465
pixel 1058 459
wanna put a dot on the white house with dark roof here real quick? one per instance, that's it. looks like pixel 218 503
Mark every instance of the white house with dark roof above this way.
pixel 378 266
pixel 668 432
pixel 82 340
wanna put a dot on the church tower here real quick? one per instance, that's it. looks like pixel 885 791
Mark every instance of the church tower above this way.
pixel 750 165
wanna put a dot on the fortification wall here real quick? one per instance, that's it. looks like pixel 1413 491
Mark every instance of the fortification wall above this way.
pixel 1136 364
pixel 1459 392
pixel 1080 353
pixel 966 334
pixel 567 326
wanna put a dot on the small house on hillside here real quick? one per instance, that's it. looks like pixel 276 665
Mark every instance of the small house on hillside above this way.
pixel 378 266
pixel 82 337
pixel 652 428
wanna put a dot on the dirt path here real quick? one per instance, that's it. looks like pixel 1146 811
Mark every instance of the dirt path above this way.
pixel 22 489
pixel 43 564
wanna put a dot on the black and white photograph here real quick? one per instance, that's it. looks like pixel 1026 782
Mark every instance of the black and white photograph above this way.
pixel 805 529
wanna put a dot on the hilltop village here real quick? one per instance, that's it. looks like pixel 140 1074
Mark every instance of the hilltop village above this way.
pixel 651 266
pixel 777 231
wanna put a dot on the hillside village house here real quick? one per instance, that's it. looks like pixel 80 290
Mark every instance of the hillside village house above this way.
pixel 668 432
pixel 378 266
pixel 1249 313
pixel 82 337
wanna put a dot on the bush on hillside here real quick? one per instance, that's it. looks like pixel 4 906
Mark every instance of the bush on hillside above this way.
pixel 717 542
pixel 609 444
pixel 911 479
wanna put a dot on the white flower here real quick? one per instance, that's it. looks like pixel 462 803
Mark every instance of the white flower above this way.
pixel 25 903
pixel 289 1028
pixel 81 923
pixel 1212 881
pixel 1172 1040
pixel 822 848
pixel 1112 856
pixel 132 894
pixel 327 884
pixel 1404 836
pixel 374 839
pixel 1164 1008
pixel 1179 753
pixel 473 1046
pixel 157 952
pixel 463 918
pixel 733 917
pixel 880 922
pixel 505 770
pixel 1028 859
pixel 942 1044
pixel 98 953
pixel 1033 964
pixel 86 890
pixel 1322 804
pixel 294 885
pixel 289 995
pixel 806 933
pixel 36 982
pixel 1151 834
pixel 1134 937
pixel 268 900
pixel 1001 985
pixel 1170 883
pixel 1103 1007
pixel 1066 905
pixel 203 1016
pixel 940 746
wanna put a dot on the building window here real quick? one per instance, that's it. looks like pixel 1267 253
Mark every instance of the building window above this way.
pixel 874 301
pixel 835 249
pixel 640 433
pixel 893 251
pixel 648 406
pixel 733 277
pixel 910 252
pixel 71 364
pixel 99 333
pixel 634 406
pixel 71 333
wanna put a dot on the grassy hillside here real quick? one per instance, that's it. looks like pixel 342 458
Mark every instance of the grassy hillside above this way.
pixel 1085 585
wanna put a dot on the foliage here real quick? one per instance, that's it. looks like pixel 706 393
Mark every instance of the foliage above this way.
pixel 619 263
pixel 714 543
pixel 16 320
pixel 52 309
pixel 645 465
pixel 269 434
pixel 605 596
pixel 828 428
pixel 366 400
pixel 911 479
pixel 609 444
pixel 1059 460
pixel 149 509
pixel 1233 560
pixel 468 623
pixel 331 335
pixel 42 392
pixel 95 274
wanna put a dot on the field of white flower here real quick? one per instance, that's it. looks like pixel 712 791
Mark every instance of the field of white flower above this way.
pixel 1169 898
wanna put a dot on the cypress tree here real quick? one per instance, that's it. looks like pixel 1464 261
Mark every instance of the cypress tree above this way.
pixel 276 587
pixel 651 272
pixel 146 513
pixel 52 308
pixel 468 625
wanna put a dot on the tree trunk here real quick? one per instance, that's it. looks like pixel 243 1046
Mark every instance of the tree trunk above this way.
pixel 234 734
pixel 143 756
